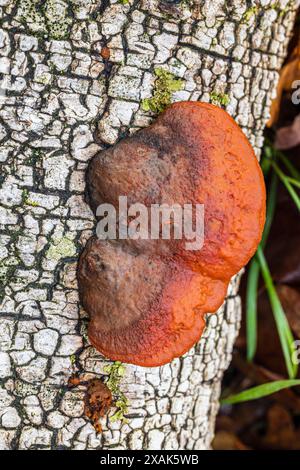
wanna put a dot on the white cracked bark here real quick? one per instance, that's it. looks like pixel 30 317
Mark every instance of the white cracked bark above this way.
pixel 57 89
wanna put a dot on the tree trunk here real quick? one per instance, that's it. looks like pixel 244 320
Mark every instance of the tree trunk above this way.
pixel 73 75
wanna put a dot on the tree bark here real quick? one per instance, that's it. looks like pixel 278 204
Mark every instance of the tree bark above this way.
pixel 63 99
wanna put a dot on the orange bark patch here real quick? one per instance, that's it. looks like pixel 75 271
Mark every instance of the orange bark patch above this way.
pixel 98 400
pixel 105 53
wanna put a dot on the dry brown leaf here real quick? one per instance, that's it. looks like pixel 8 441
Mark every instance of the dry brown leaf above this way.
pixel 289 73
pixel 290 299
pixel 281 432
pixel 289 136
pixel 225 440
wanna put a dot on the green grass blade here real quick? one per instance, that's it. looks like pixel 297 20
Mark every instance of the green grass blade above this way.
pixel 253 276
pixel 293 182
pixel 288 185
pixel 251 309
pixel 290 167
pixel 266 160
pixel 272 153
pixel 260 391
pixel 271 206
pixel 283 328
pixel 285 334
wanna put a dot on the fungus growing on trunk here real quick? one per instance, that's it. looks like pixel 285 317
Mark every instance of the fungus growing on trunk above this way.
pixel 147 298
pixel 97 402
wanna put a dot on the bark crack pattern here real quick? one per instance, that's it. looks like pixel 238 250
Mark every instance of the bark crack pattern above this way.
pixel 62 100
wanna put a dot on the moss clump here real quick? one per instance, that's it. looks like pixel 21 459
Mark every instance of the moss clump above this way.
pixel 219 99
pixel 62 248
pixel 73 359
pixel 24 196
pixel 115 373
pixel 26 201
pixel 165 84
pixel 248 15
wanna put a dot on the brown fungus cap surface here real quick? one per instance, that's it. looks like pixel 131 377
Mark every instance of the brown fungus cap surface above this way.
pixel 147 298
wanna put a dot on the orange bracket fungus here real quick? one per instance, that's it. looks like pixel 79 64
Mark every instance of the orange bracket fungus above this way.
pixel 147 298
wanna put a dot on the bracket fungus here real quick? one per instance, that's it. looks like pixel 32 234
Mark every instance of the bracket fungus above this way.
pixel 147 299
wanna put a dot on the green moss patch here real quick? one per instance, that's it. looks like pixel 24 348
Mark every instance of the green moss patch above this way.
pixel 165 84
pixel 115 373
pixel 219 99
